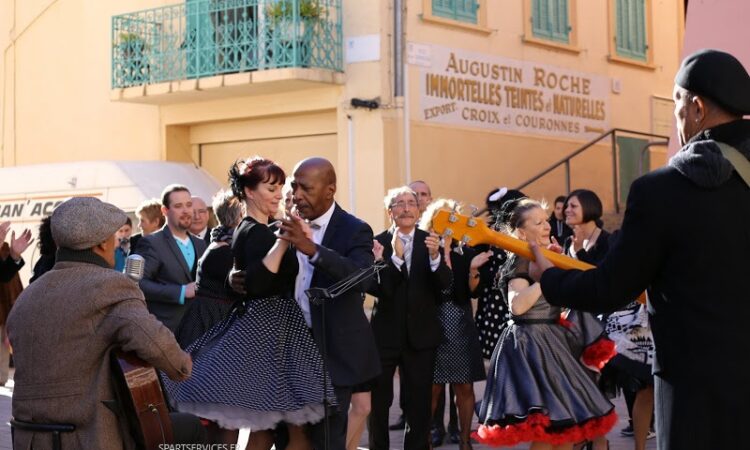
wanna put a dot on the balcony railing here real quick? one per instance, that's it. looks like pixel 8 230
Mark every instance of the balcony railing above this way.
pixel 203 38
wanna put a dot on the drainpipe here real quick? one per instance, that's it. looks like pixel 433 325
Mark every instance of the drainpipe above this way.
pixel 350 150
pixel 401 84
pixel 398 47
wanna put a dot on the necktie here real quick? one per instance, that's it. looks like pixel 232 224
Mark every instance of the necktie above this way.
pixel 407 240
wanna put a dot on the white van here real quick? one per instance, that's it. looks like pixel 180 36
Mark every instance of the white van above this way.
pixel 29 193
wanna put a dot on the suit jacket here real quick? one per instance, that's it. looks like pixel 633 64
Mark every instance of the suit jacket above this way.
pixel 207 236
pixel 406 310
pixel 696 271
pixel 346 248
pixel 63 329
pixel 134 241
pixel 165 273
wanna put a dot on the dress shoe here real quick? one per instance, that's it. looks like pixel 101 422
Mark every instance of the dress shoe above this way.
pixel 454 436
pixel 399 425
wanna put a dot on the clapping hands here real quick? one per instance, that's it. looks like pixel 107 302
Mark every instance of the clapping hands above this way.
pixel 17 245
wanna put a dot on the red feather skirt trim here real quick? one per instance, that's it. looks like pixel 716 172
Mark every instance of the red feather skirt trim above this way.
pixel 599 353
pixel 535 428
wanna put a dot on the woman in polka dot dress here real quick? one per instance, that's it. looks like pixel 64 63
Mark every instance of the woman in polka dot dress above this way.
pixel 458 360
pixel 492 309
pixel 260 366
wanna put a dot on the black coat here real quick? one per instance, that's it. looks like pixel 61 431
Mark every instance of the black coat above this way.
pixel 8 268
pixel 345 249
pixel 597 252
pixel 406 310
pixel 696 273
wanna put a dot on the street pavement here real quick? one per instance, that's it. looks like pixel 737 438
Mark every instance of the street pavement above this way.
pixel 616 441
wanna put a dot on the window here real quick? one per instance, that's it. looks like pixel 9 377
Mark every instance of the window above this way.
pixel 549 19
pixel 460 10
pixel 630 29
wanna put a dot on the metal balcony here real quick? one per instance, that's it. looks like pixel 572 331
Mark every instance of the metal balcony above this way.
pixel 206 38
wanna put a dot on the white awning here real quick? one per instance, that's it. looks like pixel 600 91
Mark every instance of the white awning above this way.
pixel 28 193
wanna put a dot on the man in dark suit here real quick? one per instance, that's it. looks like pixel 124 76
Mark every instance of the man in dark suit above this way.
pixel 340 246
pixel 695 270
pixel 171 255
pixel 404 321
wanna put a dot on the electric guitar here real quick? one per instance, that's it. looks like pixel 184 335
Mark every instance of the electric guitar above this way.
pixel 473 231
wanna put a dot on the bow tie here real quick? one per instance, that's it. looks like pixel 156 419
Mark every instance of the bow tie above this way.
pixel 314 225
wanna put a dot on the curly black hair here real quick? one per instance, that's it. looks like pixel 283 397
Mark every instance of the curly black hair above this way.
pixel 46 243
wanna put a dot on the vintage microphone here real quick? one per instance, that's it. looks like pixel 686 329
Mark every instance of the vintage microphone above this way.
pixel 134 267
pixel 321 296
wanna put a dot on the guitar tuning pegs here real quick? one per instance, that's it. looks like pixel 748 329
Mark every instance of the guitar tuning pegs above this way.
pixel 442 241
pixel 465 240
pixel 459 248
pixel 474 210
pixel 447 233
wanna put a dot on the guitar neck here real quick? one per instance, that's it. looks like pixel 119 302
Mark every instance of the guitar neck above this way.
pixel 523 250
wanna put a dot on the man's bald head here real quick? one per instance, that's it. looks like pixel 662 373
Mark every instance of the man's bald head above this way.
pixel 424 194
pixel 314 187
pixel 321 167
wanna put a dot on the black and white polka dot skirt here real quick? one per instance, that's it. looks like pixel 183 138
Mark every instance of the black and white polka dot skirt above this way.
pixel 258 367
pixel 459 357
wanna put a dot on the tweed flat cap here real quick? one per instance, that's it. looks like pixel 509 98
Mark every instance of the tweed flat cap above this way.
pixel 719 76
pixel 83 222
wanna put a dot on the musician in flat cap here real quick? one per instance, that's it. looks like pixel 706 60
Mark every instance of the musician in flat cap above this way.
pixel 696 271
pixel 64 326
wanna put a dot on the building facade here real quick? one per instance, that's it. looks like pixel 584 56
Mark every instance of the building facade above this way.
pixel 467 95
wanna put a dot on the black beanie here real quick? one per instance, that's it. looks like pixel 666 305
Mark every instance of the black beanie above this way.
pixel 718 76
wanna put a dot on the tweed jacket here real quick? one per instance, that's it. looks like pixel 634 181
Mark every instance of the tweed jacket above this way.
pixel 63 328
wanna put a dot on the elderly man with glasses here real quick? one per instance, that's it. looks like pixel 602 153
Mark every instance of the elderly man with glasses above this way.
pixel 404 320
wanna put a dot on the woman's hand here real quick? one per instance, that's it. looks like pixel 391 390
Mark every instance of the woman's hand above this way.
pixel 554 246
pixel 479 260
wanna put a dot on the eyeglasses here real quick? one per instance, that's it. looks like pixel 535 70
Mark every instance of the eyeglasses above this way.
pixel 402 204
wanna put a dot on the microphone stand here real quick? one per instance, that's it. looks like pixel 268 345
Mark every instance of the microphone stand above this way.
pixel 321 296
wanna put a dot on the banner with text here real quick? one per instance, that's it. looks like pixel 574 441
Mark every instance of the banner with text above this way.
pixel 458 87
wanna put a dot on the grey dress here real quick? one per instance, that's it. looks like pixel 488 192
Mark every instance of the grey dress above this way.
pixel 537 390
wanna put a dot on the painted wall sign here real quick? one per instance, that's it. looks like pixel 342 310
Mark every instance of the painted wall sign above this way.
pixel 34 208
pixel 486 91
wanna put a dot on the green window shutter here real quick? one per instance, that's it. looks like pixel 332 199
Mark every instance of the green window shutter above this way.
pixel 550 20
pixel 630 38
pixel 461 10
